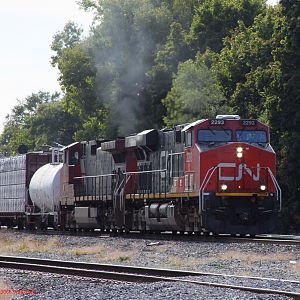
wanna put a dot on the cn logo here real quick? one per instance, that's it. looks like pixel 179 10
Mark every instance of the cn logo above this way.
pixel 241 168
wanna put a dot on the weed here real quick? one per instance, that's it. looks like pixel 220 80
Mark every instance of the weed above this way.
pixel 88 250
pixel 123 258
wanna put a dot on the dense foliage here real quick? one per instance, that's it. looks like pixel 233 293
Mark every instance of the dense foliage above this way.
pixel 151 63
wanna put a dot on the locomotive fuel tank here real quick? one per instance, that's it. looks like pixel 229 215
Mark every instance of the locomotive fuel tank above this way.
pixel 45 187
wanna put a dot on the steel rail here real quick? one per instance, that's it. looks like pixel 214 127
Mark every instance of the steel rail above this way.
pixel 133 273
pixel 174 237
pixel 185 237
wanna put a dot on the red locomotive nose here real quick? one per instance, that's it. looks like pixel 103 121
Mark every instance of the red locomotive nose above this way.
pixel 239 168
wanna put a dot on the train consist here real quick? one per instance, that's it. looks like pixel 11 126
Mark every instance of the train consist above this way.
pixel 213 175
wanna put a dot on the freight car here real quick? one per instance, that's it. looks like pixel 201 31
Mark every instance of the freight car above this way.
pixel 16 207
pixel 213 175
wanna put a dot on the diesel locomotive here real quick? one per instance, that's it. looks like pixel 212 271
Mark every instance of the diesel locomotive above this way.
pixel 211 175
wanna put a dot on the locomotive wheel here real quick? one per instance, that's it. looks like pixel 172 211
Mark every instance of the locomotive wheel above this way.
pixel 32 227
pixel 20 225
pixel 114 232
pixel 44 226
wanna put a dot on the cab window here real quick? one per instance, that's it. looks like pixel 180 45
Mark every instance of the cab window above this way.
pixel 251 136
pixel 73 158
pixel 214 135
pixel 189 139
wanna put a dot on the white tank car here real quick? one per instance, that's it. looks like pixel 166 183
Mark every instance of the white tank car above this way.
pixel 45 187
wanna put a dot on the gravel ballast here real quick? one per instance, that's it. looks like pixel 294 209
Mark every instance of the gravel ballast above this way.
pixel 49 286
pixel 250 259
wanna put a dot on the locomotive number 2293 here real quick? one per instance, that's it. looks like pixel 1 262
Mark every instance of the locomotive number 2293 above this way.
pixel 248 122
pixel 217 122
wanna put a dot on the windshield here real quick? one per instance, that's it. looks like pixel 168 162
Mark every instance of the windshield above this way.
pixel 251 136
pixel 211 135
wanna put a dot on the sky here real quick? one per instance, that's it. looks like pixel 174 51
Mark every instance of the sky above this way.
pixel 27 28
pixel 26 31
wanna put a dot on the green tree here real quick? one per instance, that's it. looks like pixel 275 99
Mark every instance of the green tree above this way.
pixel 12 137
pixel 18 126
pixel 214 19
pixel 174 51
pixel 67 38
pixel 52 123
pixel 247 67
pixel 195 94
pixel 77 80
pixel 285 116
pixel 124 44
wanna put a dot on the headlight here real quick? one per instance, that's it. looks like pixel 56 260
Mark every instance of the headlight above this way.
pixel 263 187
pixel 239 152
pixel 239 149
pixel 224 187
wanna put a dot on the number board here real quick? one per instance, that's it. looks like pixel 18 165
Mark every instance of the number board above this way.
pixel 248 122
pixel 217 122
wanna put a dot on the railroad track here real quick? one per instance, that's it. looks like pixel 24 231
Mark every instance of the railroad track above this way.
pixel 219 239
pixel 284 240
pixel 138 274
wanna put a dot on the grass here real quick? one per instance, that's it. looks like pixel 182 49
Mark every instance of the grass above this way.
pixel 12 245
pixel 224 260
pixel 106 254
pixel 180 262
pixel 295 267
pixel 124 258
pixel 87 250
pixel 176 261
pixel 116 255
pixel 29 244
pixel 253 257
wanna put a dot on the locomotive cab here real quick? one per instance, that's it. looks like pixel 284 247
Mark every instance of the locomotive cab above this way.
pixel 238 192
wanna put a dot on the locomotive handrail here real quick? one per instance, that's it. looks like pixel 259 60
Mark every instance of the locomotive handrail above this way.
pixel 118 186
pixel 94 183
pixel 95 176
pixel 278 189
pixel 176 153
pixel 149 171
pixel 119 191
pixel 122 191
pixel 201 189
